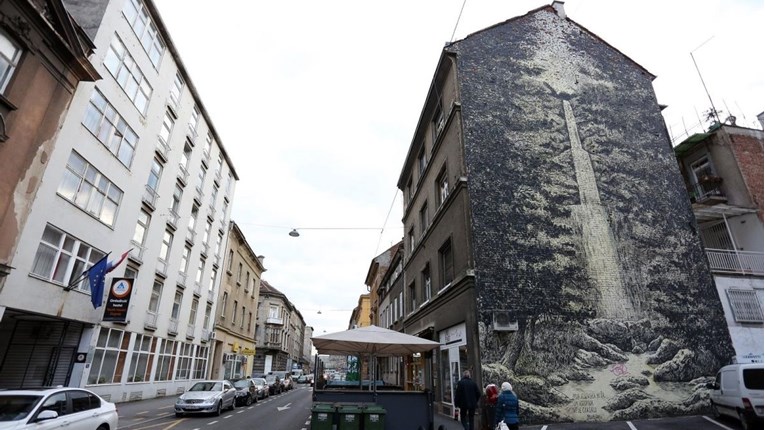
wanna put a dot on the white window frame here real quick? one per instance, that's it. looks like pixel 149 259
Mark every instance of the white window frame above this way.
pixel 90 190
pixel 745 305
pixel 110 128
pixel 128 75
pixel 63 253
pixel 144 28
pixel 10 54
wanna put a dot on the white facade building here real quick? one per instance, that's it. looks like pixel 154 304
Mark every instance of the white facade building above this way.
pixel 137 166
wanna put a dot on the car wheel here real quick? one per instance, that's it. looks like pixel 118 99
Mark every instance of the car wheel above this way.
pixel 248 402
pixel 233 404
pixel 219 408
pixel 103 427
pixel 715 411
pixel 745 424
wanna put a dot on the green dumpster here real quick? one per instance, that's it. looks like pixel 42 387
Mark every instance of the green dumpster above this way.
pixel 374 417
pixel 349 417
pixel 322 415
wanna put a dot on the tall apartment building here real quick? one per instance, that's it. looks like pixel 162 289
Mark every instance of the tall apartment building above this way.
pixel 236 316
pixel 723 173
pixel 42 58
pixel 136 165
pixel 549 239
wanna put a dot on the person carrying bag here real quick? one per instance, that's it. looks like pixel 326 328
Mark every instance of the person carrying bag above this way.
pixel 507 409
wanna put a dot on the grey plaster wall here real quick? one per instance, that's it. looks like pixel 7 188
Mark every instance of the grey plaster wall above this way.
pixel 582 229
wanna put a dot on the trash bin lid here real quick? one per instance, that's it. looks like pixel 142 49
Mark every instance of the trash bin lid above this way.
pixel 349 409
pixel 323 407
pixel 374 409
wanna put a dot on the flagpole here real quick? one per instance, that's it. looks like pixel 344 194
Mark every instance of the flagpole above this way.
pixel 84 274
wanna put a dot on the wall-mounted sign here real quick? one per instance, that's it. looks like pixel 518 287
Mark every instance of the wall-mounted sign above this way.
pixel 117 304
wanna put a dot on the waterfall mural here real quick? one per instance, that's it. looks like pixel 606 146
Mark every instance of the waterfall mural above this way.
pixel 582 230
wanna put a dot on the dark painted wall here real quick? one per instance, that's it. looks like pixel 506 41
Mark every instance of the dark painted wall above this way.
pixel 582 229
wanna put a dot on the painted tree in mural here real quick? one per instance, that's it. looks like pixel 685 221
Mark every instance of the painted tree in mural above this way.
pixel 582 229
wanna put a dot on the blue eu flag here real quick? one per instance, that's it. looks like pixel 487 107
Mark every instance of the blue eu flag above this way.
pixel 96 276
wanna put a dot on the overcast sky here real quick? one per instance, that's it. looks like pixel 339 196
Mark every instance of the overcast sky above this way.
pixel 316 102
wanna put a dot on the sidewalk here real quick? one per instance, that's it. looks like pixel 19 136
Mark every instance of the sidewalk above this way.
pixel 446 422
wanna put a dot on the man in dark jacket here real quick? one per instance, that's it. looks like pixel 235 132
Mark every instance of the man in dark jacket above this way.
pixel 466 398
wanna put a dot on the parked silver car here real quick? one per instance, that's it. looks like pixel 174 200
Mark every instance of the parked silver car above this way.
pixel 261 387
pixel 206 397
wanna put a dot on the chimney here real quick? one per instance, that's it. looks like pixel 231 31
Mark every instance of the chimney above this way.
pixel 558 6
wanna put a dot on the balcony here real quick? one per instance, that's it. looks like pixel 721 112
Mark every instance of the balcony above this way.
pixel 271 320
pixel 197 289
pixel 205 334
pixel 190 329
pixel 707 191
pixel 162 149
pixel 172 219
pixel 732 261
pixel 150 197
pixel 150 323
pixel 172 327
pixel 205 249
pixel 136 252
pixel 161 268
pixel 191 235
pixel 183 174
pixel 181 281
pixel 198 195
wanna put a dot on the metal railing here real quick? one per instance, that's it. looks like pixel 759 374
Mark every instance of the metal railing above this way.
pixel 707 189
pixel 733 261
pixel 172 327
pixel 151 320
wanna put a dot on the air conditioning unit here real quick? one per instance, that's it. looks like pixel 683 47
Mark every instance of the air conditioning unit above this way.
pixel 211 336
pixel 504 321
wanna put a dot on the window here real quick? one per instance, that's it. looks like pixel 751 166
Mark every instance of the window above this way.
pixel 194 121
pixel 193 218
pixel 273 312
pixel 412 297
pixel 127 74
pixel 185 357
pixel 206 235
pixel 233 312
pixel 109 356
pixel 177 302
pixel 208 313
pixel 230 259
pixel 200 271
pixel 165 361
pixel 218 243
pixel 241 322
pixel 177 196
pixel 447 263
pixel 422 161
pixel 200 362
pixel 177 89
pixel 409 191
pixel 239 275
pixel 10 53
pixel 154 175
pixel 167 243
pixel 167 127
pixel 62 258
pixel 411 240
pixel 89 190
pixel 156 296
pixel 211 287
pixel 438 120
pixel 142 359
pixel 185 259
pixel 426 289
pixel 208 145
pixel 202 172
pixel 131 271
pixel 185 157
pixel 442 188
pixel 249 323
pixel 223 304
pixel 108 126
pixel 213 198
pixel 746 305
pixel 247 280
pixel 219 165
pixel 193 312
pixel 141 227
pixel 424 219
pixel 140 21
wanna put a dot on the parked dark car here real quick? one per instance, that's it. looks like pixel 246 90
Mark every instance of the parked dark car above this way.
pixel 246 392
pixel 262 387
pixel 285 377
pixel 274 384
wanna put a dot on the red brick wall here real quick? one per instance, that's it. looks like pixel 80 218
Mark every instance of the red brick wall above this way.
pixel 749 155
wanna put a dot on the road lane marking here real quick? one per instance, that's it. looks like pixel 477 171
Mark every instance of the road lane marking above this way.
pixel 632 427
pixel 715 422
pixel 227 417
pixel 166 407
pixel 209 424
pixel 142 412
pixel 544 428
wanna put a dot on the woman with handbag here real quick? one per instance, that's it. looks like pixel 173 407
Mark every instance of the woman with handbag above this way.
pixel 507 408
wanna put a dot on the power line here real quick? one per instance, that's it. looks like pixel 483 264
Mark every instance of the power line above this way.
pixel 458 21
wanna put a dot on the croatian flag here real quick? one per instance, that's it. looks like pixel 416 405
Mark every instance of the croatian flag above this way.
pixel 96 276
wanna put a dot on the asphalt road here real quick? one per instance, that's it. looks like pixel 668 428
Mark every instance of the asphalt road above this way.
pixel 292 411
pixel 286 411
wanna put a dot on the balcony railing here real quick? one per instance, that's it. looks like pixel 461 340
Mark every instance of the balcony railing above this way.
pixel 190 331
pixel 151 320
pixel 197 289
pixel 707 191
pixel 150 196
pixel 162 148
pixel 205 334
pixel 181 281
pixel 732 261
pixel 271 320
pixel 136 252
pixel 172 327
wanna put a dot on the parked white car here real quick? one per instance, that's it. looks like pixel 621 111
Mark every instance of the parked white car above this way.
pixel 738 392
pixel 56 408
pixel 206 397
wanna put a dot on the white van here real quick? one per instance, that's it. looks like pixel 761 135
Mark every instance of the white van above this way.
pixel 737 392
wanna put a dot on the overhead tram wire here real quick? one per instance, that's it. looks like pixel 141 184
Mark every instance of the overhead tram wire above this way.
pixel 458 21
pixel 382 230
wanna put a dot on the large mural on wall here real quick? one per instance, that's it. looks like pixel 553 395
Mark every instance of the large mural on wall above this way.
pixel 582 230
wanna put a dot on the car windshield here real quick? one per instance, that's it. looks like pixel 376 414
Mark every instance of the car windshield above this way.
pixel 270 378
pixel 242 383
pixel 206 386
pixel 753 379
pixel 259 381
pixel 16 407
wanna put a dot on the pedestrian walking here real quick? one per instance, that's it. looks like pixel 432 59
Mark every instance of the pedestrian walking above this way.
pixel 466 399
pixel 507 407
pixel 489 406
